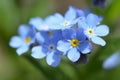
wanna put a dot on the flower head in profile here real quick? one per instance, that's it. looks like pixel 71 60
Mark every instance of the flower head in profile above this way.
pixel 112 61
pixel 47 47
pixel 24 40
pixel 93 30
pixel 66 22
pixel 74 44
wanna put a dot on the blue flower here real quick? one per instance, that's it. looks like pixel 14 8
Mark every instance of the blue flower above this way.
pixel 74 44
pixel 41 24
pixel 65 22
pixel 23 42
pixel 100 3
pixel 112 61
pixel 93 30
pixel 47 47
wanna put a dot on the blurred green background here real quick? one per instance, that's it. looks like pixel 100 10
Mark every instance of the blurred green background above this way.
pixel 14 67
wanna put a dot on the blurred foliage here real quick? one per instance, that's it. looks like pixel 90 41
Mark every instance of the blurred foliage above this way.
pixel 14 67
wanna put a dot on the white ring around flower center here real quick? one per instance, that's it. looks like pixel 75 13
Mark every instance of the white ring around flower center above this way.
pixel 51 47
pixel 90 32
pixel 66 23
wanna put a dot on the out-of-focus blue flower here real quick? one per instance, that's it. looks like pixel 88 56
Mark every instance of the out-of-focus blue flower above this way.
pixel 23 42
pixel 100 3
pixel 92 28
pixel 66 22
pixel 112 61
pixel 74 44
pixel 47 47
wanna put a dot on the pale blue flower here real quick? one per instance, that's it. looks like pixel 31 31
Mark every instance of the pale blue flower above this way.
pixel 66 22
pixel 92 28
pixel 74 44
pixel 47 47
pixel 112 61
pixel 23 42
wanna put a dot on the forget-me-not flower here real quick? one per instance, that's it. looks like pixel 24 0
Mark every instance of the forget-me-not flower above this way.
pixel 23 42
pixel 93 30
pixel 66 22
pixel 47 47
pixel 73 44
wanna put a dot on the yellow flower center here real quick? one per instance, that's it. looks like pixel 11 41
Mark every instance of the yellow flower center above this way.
pixel 66 23
pixel 90 31
pixel 27 40
pixel 74 42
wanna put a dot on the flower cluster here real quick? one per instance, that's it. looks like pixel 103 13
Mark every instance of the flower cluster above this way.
pixel 70 35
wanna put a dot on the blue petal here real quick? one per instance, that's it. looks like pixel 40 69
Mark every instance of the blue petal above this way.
pixel 98 40
pixel 85 47
pixel 57 35
pixel 63 46
pixel 22 49
pixel 80 34
pixel 56 27
pixel 24 30
pixel 31 32
pixel 102 30
pixel 36 22
pixel 16 42
pixel 58 18
pixel 37 52
pixel 45 36
pixel 53 59
pixel 39 38
pixel 70 14
pixel 50 19
pixel 93 20
pixel 68 34
pixel 73 55
pixel 60 27
pixel 112 61
pixel 82 24
pixel 80 13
